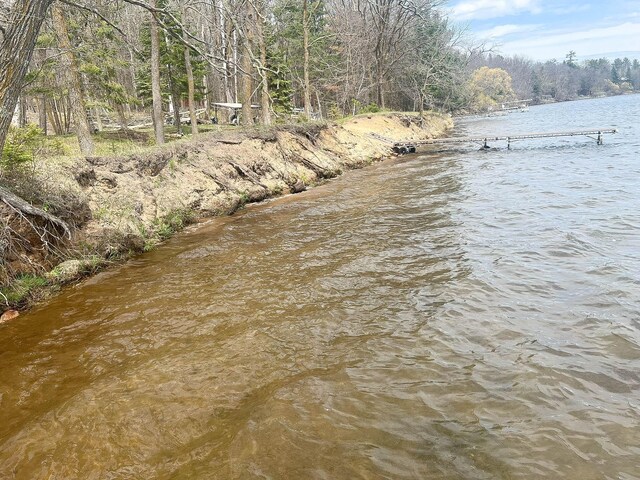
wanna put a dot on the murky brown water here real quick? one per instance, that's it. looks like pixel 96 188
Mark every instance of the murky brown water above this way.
pixel 457 315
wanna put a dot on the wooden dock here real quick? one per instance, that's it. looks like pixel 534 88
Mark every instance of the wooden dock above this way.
pixel 409 146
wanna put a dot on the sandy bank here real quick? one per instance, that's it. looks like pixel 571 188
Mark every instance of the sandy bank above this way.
pixel 128 204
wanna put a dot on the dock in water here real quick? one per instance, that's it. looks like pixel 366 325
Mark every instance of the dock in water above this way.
pixel 409 146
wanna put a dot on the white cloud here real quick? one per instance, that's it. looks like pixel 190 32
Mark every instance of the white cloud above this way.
pixel 505 30
pixel 570 9
pixel 484 9
pixel 592 41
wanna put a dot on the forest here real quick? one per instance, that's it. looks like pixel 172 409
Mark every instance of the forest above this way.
pixel 119 63
pixel 567 80
pixel 85 66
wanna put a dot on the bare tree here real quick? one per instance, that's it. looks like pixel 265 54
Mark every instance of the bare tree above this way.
pixel 158 121
pixel 305 65
pixel 190 80
pixel 388 23
pixel 373 35
pixel 261 40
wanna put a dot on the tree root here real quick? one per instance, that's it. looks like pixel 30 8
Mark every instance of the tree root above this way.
pixel 25 208
pixel 221 183
pixel 245 173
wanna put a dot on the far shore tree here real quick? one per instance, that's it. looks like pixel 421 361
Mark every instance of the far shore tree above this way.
pixel 489 88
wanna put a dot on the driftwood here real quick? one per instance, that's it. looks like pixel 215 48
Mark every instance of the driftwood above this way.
pixel 322 172
pixel 25 208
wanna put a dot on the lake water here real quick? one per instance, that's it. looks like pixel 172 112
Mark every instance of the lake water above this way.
pixel 445 315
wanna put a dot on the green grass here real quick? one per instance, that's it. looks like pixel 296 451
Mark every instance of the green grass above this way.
pixel 65 147
pixel 22 288
pixel 110 143
pixel 164 227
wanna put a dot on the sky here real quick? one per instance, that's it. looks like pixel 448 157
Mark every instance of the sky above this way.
pixel 548 29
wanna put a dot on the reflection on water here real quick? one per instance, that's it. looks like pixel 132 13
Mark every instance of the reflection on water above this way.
pixel 454 315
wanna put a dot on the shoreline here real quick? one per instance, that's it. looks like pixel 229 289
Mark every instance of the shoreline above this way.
pixel 133 203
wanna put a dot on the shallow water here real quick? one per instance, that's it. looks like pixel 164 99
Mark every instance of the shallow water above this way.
pixel 447 315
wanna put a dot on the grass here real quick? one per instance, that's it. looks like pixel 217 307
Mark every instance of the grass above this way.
pixel 23 288
pixel 113 143
pixel 164 227
pixel 107 143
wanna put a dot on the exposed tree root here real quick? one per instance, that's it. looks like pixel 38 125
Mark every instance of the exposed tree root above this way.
pixel 26 208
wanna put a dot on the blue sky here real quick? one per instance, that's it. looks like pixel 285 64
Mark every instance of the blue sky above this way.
pixel 546 29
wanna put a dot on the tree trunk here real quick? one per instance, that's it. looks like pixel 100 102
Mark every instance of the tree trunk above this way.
pixel 192 90
pixel 380 81
pixel 320 116
pixel 41 100
pixel 25 207
pixel 96 112
pixel 132 71
pixel 224 52
pixel 158 122
pixel 212 91
pixel 305 65
pixel 235 67
pixel 22 112
pixel 175 100
pixel 265 103
pixel 122 117
pixel 247 87
pixel 54 118
pixel 72 77
pixel 42 114
pixel 66 111
pixel 247 90
pixel 16 48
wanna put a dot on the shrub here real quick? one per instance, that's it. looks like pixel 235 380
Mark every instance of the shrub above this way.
pixel 20 146
pixel 371 108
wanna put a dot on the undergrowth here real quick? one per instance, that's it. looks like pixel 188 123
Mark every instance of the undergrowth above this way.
pixel 22 289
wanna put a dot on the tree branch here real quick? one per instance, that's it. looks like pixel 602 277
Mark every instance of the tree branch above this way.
pixel 96 13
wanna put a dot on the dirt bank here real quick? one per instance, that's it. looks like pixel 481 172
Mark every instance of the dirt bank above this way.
pixel 127 204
